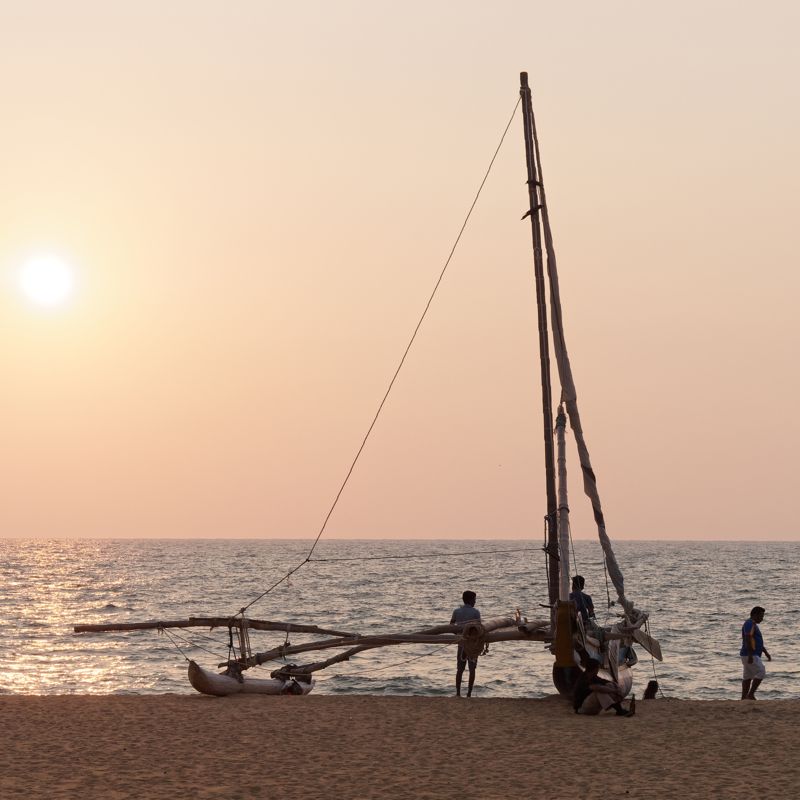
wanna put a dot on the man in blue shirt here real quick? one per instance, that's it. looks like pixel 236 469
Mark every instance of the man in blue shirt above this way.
pixel 463 614
pixel 753 670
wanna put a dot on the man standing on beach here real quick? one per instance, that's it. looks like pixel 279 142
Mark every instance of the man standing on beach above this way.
pixel 752 647
pixel 462 614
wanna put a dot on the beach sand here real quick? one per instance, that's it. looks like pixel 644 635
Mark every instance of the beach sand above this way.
pixel 284 747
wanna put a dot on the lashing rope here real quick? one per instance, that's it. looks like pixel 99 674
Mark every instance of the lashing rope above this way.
pixel 653 662
pixel 172 638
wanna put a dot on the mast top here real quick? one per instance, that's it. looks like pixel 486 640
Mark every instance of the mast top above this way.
pixel 523 80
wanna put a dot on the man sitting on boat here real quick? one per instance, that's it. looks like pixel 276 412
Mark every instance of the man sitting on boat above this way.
pixel 583 601
pixel 462 614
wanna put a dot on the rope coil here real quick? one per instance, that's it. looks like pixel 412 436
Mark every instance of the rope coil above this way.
pixel 473 640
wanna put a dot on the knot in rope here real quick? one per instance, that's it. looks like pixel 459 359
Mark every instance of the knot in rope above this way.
pixel 473 640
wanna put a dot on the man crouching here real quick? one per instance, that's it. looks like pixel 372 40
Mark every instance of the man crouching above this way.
pixel 593 694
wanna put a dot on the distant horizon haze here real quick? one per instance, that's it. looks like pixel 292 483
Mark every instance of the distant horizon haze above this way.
pixel 339 538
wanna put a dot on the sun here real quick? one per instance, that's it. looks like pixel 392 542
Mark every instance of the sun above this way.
pixel 47 281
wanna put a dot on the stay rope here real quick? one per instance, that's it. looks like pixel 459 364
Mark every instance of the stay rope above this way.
pixel 403 662
pixel 653 662
pixel 173 637
pixel 426 555
pixel 609 601
pixel 608 588
pixel 307 559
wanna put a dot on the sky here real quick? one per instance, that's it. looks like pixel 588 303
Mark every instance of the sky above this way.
pixel 256 199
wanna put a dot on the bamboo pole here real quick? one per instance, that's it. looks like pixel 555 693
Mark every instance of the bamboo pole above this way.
pixel 532 163
pixel 210 622
pixel 495 629
pixel 498 635
pixel 350 641
pixel 429 636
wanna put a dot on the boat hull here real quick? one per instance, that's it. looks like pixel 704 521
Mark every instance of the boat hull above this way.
pixel 213 683
pixel 564 679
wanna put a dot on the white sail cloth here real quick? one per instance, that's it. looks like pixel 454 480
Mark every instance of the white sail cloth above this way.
pixel 569 397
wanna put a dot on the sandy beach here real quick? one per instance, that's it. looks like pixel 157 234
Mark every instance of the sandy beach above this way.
pixel 181 746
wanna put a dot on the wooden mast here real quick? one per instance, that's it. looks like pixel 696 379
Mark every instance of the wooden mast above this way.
pixel 544 341
pixel 564 669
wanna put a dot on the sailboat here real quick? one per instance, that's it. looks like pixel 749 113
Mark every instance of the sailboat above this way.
pixel 572 639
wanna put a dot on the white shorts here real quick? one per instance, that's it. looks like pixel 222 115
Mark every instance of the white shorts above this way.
pixel 753 671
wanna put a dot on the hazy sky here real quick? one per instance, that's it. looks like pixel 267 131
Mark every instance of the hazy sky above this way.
pixel 257 198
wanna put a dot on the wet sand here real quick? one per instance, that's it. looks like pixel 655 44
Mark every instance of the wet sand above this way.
pixel 284 747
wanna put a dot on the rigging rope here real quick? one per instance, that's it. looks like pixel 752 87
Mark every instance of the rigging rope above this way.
pixel 396 372
pixel 546 558
pixel 172 642
pixel 574 556
pixel 426 555
pixel 608 589
pixel 653 662
pixel 405 661
pixel 187 641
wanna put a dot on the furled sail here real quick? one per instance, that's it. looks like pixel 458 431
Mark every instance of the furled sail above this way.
pixel 569 397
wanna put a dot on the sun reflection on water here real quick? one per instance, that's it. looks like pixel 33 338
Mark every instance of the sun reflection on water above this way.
pixel 48 586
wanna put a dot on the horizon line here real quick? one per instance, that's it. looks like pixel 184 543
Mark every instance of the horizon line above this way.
pixel 311 538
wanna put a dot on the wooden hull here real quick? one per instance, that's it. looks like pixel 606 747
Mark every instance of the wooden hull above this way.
pixel 218 685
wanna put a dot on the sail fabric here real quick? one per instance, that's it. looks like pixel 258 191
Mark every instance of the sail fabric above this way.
pixel 569 397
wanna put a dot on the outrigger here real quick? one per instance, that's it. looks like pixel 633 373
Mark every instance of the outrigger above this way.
pixel 571 639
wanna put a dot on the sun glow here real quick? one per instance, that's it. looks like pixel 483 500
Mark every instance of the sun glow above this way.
pixel 47 281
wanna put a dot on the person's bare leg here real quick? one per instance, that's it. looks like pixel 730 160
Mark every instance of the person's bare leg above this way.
pixel 745 689
pixel 755 684
pixel 459 675
pixel 471 682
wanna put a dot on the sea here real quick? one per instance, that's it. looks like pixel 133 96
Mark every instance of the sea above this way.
pixel 697 594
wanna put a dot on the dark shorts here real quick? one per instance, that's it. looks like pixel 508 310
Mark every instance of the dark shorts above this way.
pixel 461 659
